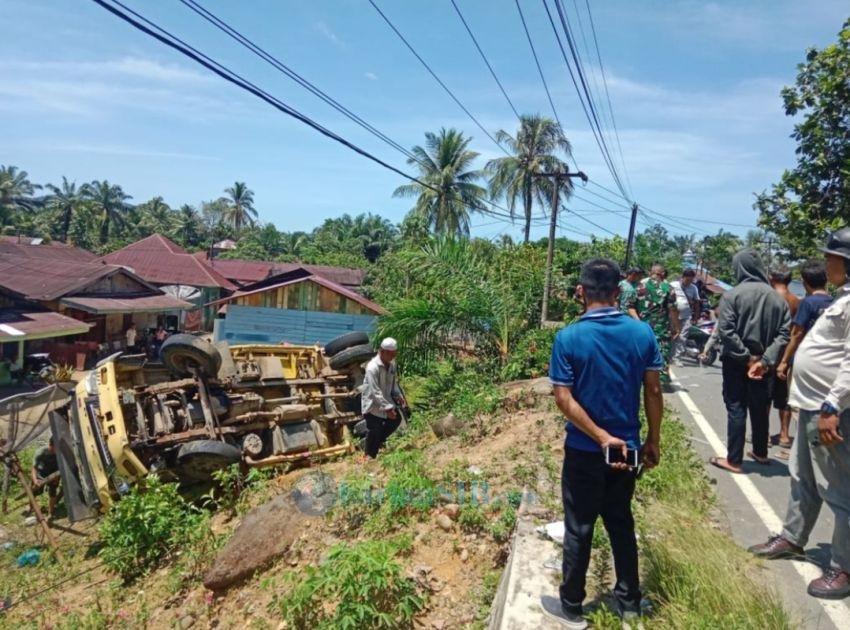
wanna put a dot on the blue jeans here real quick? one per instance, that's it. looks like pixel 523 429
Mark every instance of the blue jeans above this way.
pixel 820 473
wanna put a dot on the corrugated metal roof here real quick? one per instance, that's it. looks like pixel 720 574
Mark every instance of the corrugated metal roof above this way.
pixel 159 260
pixel 34 247
pixel 23 325
pixel 293 277
pixel 46 278
pixel 246 271
pixel 127 304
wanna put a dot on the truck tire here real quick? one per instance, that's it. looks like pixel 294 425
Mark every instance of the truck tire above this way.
pixel 182 352
pixel 198 460
pixel 351 356
pixel 348 340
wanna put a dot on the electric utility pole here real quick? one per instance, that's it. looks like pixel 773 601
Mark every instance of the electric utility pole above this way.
pixel 631 241
pixel 556 178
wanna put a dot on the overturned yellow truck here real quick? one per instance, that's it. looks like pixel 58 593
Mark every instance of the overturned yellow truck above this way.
pixel 202 408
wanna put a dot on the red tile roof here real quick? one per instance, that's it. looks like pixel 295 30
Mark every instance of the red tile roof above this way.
pixel 161 261
pixel 18 325
pixel 127 304
pixel 247 271
pixel 34 248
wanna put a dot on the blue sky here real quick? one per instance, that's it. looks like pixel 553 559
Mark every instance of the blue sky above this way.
pixel 695 88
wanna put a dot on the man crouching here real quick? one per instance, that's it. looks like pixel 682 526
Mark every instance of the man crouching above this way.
pixel 598 366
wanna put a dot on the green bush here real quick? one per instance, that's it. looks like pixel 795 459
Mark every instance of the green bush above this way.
pixel 530 355
pixel 472 519
pixel 466 389
pixel 146 526
pixel 358 586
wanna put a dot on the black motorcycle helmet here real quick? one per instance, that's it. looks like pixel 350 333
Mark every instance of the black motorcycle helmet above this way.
pixel 838 244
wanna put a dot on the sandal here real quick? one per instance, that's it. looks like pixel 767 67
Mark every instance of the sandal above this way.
pixel 764 461
pixel 723 463
pixel 787 444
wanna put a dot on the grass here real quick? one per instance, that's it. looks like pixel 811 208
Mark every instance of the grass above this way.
pixel 695 575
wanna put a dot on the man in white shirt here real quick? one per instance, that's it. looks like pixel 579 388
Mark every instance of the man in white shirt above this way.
pixel 820 457
pixel 688 303
pixel 130 335
pixel 380 395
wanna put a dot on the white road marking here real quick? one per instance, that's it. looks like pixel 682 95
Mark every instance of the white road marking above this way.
pixel 837 611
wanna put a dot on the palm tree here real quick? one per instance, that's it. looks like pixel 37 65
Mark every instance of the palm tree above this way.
pixel 240 206
pixel 292 243
pixel 66 201
pixel 157 217
pixel 108 200
pixel 16 192
pixel 450 193
pixel 189 226
pixel 534 150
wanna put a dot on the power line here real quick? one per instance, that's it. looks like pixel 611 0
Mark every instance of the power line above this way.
pixel 584 107
pixel 434 75
pixel 223 26
pixel 484 57
pixel 539 68
pixel 174 42
pixel 590 102
pixel 607 94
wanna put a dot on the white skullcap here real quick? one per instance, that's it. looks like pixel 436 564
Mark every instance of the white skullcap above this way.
pixel 389 344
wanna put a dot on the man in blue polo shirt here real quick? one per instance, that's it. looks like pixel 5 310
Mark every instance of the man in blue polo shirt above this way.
pixel 599 365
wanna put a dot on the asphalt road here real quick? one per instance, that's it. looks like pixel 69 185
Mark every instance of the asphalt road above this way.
pixel 755 502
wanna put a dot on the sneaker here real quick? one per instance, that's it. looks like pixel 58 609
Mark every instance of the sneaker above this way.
pixel 833 584
pixel 553 609
pixel 776 548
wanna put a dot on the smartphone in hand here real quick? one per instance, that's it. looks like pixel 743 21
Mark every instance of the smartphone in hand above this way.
pixel 614 455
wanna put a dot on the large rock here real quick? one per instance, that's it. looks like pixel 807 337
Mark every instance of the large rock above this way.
pixel 446 426
pixel 264 534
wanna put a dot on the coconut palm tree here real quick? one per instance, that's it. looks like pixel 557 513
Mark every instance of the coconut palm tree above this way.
pixel 16 192
pixel 451 192
pixel 66 202
pixel 534 150
pixel 156 217
pixel 240 206
pixel 189 226
pixel 110 201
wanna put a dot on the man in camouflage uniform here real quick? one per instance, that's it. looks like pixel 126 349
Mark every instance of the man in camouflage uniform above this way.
pixel 655 303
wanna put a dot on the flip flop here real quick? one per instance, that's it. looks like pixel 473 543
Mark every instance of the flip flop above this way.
pixel 784 454
pixel 764 461
pixel 723 463
pixel 787 444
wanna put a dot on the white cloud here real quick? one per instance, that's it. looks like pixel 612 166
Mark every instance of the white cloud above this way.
pixel 325 30
pixel 130 152
pixel 371 76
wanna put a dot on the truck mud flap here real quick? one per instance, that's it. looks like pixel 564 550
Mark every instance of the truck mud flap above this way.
pixel 79 508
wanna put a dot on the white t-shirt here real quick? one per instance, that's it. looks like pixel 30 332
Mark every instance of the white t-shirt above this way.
pixel 822 363
pixel 684 297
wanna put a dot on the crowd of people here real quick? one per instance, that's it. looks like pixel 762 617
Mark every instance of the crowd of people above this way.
pixel 776 350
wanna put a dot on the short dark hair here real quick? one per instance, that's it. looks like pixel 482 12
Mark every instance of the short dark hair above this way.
pixel 634 270
pixel 782 275
pixel 689 273
pixel 600 279
pixel 814 273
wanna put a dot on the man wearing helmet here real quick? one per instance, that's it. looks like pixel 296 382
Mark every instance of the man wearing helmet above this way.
pixel 380 395
pixel 820 457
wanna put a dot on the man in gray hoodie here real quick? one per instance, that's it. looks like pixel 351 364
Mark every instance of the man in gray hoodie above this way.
pixel 753 326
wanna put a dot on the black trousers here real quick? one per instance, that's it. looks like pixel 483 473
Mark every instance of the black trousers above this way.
pixel 590 489
pixel 743 395
pixel 378 430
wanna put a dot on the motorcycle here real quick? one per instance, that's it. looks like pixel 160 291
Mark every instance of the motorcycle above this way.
pixel 38 367
pixel 696 343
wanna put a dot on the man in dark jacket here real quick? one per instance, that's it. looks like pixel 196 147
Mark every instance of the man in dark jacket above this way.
pixel 753 326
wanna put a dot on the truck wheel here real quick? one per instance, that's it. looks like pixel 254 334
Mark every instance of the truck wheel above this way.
pixel 198 460
pixel 182 352
pixel 348 340
pixel 351 356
